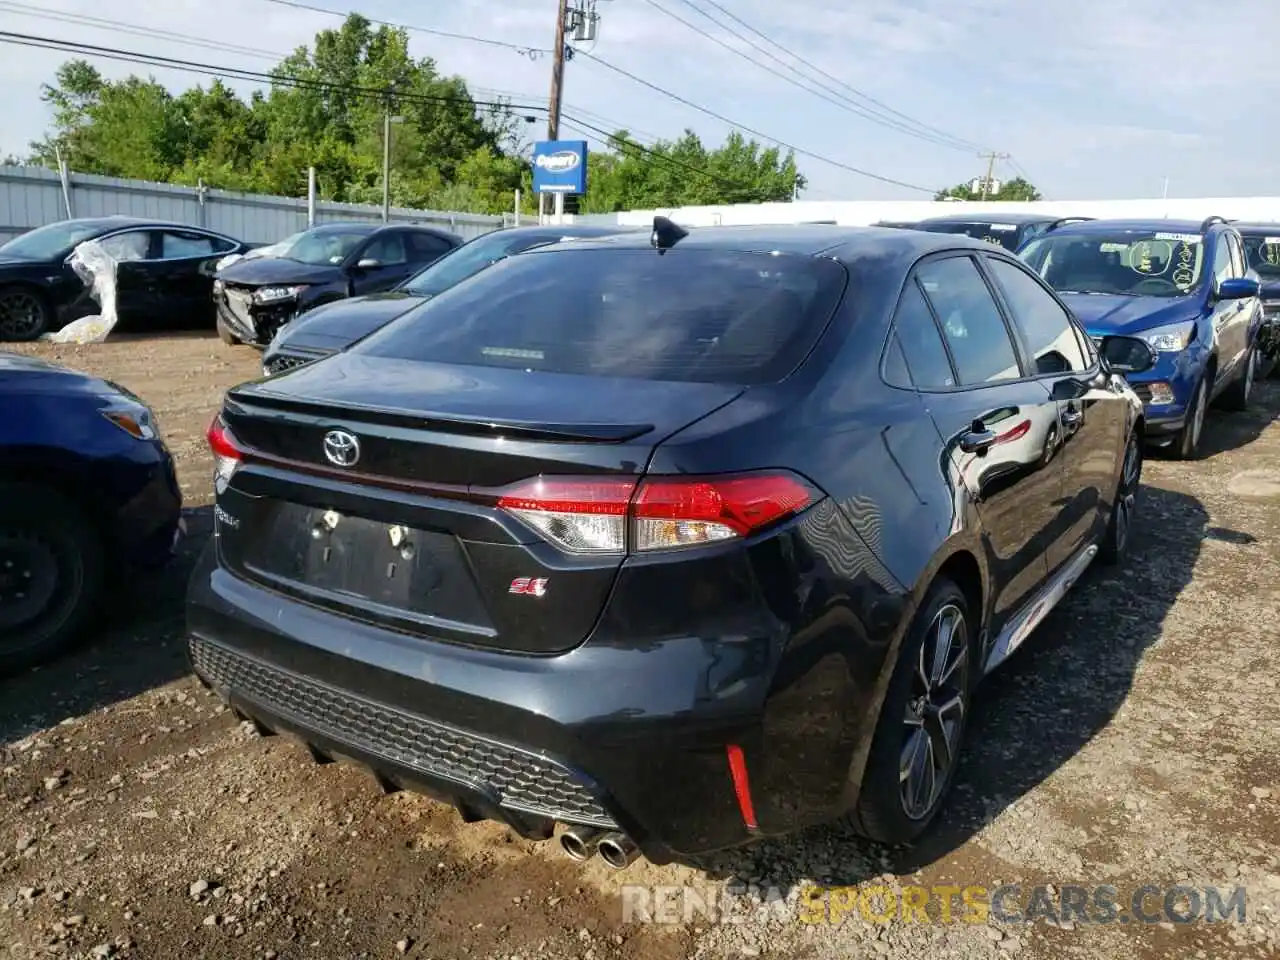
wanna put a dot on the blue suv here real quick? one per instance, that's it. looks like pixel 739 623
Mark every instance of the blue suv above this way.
pixel 1183 287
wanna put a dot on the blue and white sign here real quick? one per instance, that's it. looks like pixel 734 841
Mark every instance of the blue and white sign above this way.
pixel 560 166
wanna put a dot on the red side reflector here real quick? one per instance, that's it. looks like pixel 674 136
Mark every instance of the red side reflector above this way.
pixel 741 785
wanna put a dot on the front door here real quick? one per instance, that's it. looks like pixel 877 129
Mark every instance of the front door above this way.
pixel 385 264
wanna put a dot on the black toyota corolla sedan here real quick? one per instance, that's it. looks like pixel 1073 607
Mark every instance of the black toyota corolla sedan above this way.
pixel 676 540
pixel 164 275
pixel 335 326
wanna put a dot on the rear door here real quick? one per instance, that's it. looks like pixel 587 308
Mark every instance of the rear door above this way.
pixel 466 471
pixel 425 248
pixel 1091 420
pixel 998 424
pixel 183 271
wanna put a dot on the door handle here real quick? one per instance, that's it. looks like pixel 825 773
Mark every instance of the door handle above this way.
pixel 1071 417
pixel 977 441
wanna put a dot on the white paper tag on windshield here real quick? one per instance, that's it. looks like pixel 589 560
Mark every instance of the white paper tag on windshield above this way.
pixel 1004 227
pixel 1179 237
pixel 1271 241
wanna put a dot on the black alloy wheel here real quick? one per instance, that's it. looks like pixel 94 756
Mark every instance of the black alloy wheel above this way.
pixel 23 314
pixel 916 747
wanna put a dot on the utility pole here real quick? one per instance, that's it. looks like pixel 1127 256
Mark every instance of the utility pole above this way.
pixel 991 159
pixel 557 84
pixel 386 159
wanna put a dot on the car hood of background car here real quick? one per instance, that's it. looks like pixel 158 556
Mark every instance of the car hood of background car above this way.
pixel 21 374
pixel 260 271
pixel 1105 314
pixel 346 321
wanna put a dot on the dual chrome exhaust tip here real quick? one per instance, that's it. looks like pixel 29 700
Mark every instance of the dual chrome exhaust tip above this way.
pixel 615 849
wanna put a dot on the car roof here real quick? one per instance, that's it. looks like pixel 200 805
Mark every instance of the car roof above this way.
pixel 565 230
pixel 1018 218
pixel 1123 226
pixel 1257 228
pixel 106 224
pixel 841 243
pixel 344 227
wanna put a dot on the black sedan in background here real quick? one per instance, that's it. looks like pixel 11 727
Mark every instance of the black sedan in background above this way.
pixel 88 495
pixel 679 539
pixel 256 297
pixel 336 326
pixel 164 277
pixel 1008 230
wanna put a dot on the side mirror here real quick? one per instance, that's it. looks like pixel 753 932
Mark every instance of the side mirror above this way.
pixel 1128 354
pixel 368 263
pixel 1238 288
pixel 1069 389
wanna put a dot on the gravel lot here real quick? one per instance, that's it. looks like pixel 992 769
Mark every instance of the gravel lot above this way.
pixel 1132 742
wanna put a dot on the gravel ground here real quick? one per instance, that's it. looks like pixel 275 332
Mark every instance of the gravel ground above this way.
pixel 1132 742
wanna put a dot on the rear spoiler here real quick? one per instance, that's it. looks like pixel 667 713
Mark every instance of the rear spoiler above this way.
pixel 582 432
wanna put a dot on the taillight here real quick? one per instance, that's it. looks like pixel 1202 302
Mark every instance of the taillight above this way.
pixel 226 455
pixel 594 515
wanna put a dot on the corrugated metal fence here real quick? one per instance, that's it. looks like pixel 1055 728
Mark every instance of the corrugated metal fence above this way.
pixel 34 196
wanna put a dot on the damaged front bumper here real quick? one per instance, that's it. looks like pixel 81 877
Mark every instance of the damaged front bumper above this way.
pixel 251 322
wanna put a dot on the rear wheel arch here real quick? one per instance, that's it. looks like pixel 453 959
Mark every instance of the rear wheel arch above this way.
pixel 962 569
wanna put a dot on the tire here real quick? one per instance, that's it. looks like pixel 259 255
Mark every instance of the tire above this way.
pixel 885 811
pixel 1115 542
pixel 25 314
pixel 1236 396
pixel 1186 443
pixel 51 568
pixel 226 336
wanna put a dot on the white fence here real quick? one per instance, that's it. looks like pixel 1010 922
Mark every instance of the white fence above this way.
pixel 860 213
pixel 33 196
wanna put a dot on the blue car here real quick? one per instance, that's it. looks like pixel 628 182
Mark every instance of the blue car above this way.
pixel 1183 287
pixel 1262 251
pixel 87 492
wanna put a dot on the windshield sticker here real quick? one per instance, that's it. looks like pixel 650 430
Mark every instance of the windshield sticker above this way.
pixel 1271 241
pixel 1184 275
pixel 1113 247
pixel 510 353
pixel 1179 237
pixel 1151 258
pixel 1004 227
pixel 1269 250
pixel 995 240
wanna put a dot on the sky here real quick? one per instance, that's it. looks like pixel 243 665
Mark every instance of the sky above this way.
pixel 1091 99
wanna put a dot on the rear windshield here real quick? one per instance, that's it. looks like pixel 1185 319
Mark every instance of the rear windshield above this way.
pixel 709 316
pixel 1007 235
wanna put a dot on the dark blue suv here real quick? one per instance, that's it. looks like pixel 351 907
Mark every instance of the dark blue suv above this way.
pixel 87 493
pixel 1183 287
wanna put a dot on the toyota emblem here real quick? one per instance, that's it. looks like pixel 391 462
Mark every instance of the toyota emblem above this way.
pixel 342 448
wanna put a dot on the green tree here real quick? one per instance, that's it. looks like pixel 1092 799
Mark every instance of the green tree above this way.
pixel 1010 190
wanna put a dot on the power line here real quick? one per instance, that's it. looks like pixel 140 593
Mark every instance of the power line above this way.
pixel 114 53
pixel 241 73
pixel 960 142
pixel 823 92
pixel 533 53
pixel 756 133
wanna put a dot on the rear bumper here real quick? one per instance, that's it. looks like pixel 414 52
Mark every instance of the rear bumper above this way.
pixel 631 738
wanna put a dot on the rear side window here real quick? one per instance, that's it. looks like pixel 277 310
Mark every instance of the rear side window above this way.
pixel 971 321
pixel 710 316
pixel 427 246
pixel 921 344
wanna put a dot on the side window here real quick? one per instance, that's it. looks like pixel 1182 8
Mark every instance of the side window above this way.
pixel 1221 260
pixel 971 321
pixel 134 245
pixel 1045 326
pixel 387 249
pixel 176 246
pixel 916 335
pixel 426 246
